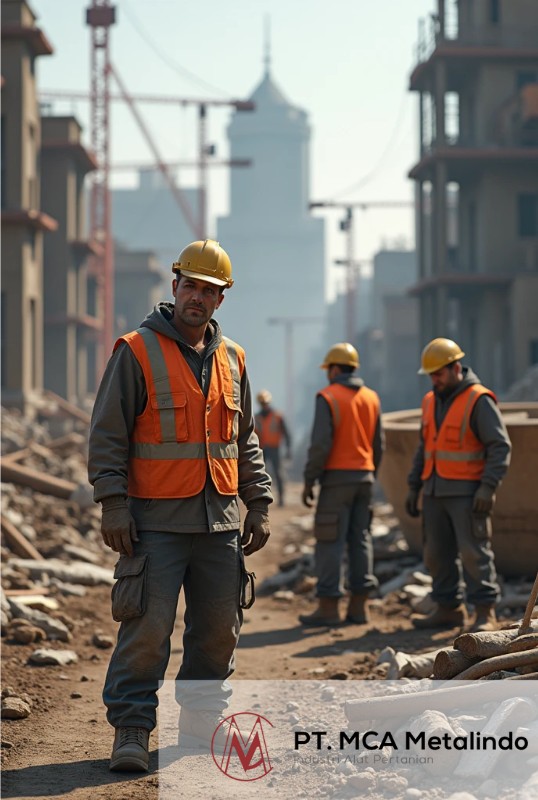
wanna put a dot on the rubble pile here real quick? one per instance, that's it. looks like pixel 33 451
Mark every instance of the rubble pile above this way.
pixel 51 543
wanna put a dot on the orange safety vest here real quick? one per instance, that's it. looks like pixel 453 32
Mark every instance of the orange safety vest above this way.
pixel 269 429
pixel 181 433
pixel 454 452
pixel 355 416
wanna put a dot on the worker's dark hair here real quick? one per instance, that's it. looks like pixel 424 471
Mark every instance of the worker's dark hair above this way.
pixel 347 369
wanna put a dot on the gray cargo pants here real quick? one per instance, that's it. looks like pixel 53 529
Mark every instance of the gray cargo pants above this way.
pixel 209 567
pixel 342 527
pixel 457 549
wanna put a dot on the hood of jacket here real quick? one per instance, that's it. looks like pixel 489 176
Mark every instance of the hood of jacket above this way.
pixel 349 380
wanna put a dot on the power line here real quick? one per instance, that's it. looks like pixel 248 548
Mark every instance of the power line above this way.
pixel 170 62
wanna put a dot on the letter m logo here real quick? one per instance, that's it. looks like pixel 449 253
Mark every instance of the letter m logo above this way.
pixel 244 756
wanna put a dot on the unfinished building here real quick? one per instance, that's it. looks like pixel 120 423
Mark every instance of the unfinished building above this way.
pixel 23 221
pixel 477 80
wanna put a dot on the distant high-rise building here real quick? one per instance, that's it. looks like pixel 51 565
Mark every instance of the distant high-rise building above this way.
pixel 276 306
pixel 477 79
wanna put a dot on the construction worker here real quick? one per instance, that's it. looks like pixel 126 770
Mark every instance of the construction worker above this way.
pixel 272 432
pixel 345 452
pixel 463 454
pixel 172 446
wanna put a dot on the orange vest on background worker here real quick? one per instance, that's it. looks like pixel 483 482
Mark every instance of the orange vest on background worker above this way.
pixel 181 433
pixel 355 415
pixel 453 451
pixel 269 429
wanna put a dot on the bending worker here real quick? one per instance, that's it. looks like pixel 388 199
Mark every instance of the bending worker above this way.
pixel 172 446
pixel 272 432
pixel 345 452
pixel 463 454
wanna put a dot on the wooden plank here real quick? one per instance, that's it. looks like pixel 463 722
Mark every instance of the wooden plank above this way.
pixel 18 541
pixel 67 407
pixel 23 476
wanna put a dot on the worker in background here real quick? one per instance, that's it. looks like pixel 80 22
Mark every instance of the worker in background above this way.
pixel 345 453
pixel 272 433
pixel 172 446
pixel 463 454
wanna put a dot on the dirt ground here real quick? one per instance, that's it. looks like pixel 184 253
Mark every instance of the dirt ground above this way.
pixel 63 748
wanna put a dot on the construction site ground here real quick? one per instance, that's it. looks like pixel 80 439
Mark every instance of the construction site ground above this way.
pixel 62 749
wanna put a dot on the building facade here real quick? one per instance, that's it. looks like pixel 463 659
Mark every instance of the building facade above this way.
pixel 70 329
pixel 23 221
pixel 477 81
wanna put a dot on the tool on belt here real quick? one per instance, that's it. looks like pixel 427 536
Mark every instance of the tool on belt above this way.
pixel 248 589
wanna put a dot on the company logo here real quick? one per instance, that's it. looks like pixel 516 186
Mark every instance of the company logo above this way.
pixel 239 747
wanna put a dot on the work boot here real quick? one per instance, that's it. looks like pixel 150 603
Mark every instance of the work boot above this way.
pixel 326 614
pixel 443 617
pixel 130 752
pixel 485 619
pixel 357 610
pixel 198 730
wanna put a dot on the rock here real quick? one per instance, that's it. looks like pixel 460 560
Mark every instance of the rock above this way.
pixel 78 572
pixel 68 588
pixel 15 708
pixel 363 780
pixel 291 706
pixel 102 640
pixel 26 634
pixel 6 745
pixel 392 784
pixel 8 691
pixel 53 628
pixel 55 657
pixel 75 695
pixel 39 602
pixel 284 596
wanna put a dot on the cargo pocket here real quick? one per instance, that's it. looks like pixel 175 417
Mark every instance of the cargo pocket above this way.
pixel 129 591
pixel 482 527
pixel 326 526
pixel 230 418
pixel 170 416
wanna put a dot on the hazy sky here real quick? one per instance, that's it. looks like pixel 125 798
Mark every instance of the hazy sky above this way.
pixel 347 63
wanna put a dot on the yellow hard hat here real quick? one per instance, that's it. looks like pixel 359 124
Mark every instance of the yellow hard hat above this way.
pixel 264 396
pixel 438 354
pixel 342 353
pixel 206 261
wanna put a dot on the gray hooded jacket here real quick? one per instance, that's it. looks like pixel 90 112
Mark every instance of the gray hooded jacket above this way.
pixel 122 396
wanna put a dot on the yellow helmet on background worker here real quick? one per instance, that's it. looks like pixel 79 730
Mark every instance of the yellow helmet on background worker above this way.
pixel 207 261
pixel 439 353
pixel 264 396
pixel 343 354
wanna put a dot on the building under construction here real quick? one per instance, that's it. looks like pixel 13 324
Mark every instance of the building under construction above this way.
pixel 477 81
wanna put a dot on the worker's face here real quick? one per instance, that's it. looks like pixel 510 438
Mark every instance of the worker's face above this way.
pixel 446 378
pixel 196 300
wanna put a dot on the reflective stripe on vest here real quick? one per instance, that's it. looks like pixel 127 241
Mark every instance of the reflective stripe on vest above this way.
pixel 269 429
pixel 355 415
pixel 454 452
pixel 181 433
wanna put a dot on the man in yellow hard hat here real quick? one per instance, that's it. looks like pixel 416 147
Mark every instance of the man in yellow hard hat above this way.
pixel 345 452
pixel 463 454
pixel 172 448
pixel 273 433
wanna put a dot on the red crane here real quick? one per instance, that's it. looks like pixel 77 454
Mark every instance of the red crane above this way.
pixel 100 16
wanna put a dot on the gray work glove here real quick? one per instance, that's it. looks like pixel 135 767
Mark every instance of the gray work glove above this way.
pixel 484 499
pixel 308 495
pixel 118 528
pixel 411 503
pixel 256 531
